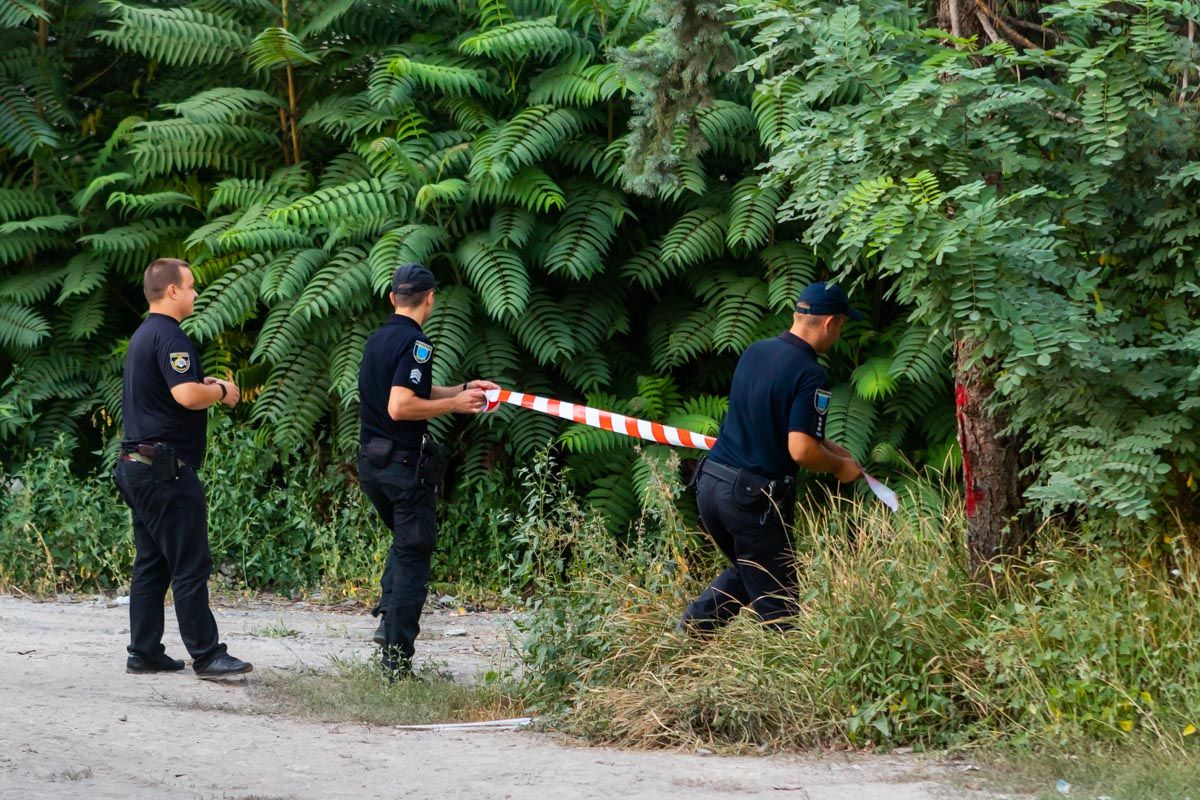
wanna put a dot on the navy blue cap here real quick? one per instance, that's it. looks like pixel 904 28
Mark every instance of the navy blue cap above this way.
pixel 822 299
pixel 412 279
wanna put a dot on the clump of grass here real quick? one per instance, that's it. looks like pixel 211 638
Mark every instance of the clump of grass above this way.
pixel 894 642
pixel 1142 769
pixel 275 630
pixel 356 690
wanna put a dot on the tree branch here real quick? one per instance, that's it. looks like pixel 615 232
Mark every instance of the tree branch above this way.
pixel 1016 37
pixel 955 27
pixel 987 26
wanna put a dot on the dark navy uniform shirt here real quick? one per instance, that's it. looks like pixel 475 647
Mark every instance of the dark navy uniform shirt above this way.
pixel 160 356
pixel 397 354
pixel 778 387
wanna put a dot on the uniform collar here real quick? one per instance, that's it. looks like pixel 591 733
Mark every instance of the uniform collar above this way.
pixel 798 343
pixel 155 315
pixel 400 319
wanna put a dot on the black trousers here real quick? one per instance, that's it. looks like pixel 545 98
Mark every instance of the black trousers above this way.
pixel 757 543
pixel 170 534
pixel 409 509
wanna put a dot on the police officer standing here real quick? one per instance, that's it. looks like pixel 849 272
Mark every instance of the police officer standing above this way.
pixel 745 488
pixel 400 465
pixel 164 405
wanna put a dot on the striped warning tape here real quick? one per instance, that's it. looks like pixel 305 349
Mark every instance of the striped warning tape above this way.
pixel 598 418
pixel 631 426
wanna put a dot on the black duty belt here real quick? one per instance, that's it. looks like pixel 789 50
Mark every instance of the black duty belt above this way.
pixel 145 455
pixel 719 470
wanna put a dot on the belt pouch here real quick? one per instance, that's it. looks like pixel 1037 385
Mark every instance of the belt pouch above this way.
pixel 750 491
pixel 695 476
pixel 378 452
pixel 164 466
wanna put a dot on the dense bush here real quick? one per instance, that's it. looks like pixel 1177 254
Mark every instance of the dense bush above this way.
pixel 295 157
pixel 893 643
pixel 282 522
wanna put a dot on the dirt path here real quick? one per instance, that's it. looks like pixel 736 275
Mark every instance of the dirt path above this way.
pixel 74 725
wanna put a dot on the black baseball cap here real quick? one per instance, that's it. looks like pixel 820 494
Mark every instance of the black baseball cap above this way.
pixel 822 299
pixel 412 279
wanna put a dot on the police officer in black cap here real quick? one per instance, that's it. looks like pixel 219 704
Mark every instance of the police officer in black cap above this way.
pixel 745 488
pixel 164 405
pixel 399 464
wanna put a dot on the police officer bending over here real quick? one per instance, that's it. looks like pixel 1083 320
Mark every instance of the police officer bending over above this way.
pixel 400 465
pixel 745 489
pixel 164 405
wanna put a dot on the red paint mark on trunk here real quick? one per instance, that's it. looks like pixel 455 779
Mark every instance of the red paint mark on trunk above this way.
pixel 960 403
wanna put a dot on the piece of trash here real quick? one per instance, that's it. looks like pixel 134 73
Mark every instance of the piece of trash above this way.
pixel 968 768
pixel 886 495
pixel 123 600
pixel 446 600
pixel 703 751
pixel 455 632
pixel 462 612
pixel 486 725
pixel 122 718
pixel 1063 787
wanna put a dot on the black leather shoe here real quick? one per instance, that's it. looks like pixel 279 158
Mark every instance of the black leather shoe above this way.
pixel 224 666
pixel 378 637
pixel 141 665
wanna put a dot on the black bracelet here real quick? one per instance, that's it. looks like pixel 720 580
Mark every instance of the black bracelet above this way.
pixel 224 391
pixel 465 385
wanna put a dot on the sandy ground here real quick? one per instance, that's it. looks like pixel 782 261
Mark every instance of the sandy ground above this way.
pixel 74 725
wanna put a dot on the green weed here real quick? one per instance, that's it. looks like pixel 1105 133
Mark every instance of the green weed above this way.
pixel 1092 640
pixel 356 690
pixel 275 630
pixel 278 521
pixel 1141 769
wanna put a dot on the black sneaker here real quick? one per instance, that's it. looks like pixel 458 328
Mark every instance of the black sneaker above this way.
pixel 141 665
pixel 378 637
pixel 224 666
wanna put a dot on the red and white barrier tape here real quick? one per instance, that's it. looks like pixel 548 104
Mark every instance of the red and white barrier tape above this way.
pixel 598 418
pixel 637 428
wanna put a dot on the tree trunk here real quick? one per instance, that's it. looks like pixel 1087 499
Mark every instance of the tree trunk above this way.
pixel 991 470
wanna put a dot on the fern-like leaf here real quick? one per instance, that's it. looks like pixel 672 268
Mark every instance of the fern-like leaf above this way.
pixel 497 274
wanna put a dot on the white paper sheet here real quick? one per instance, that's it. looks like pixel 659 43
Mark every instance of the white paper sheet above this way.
pixel 886 495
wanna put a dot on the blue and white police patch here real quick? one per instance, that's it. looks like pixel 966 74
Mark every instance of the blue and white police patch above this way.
pixel 821 401
pixel 181 362
pixel 415 376
pixel 422 352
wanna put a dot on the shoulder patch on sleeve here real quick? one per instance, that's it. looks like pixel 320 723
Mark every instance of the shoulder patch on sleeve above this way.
pixel 181 362
pixel 821 401
pixel 422 351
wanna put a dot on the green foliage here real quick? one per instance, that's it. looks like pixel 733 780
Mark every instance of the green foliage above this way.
pixel 278 521
pixel 1034 207
pixel 887 648
pixel 295 163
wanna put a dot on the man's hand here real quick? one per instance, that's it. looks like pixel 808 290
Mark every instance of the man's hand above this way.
pixel 471 401
pixel 232 393
pixel 485 385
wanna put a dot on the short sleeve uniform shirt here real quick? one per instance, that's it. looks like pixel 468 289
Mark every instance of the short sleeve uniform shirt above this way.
pixel 161 356
pixel 778 387
pixel 398 353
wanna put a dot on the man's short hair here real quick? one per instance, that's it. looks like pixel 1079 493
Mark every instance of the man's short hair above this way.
pixel 160 274
pixel 412 300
